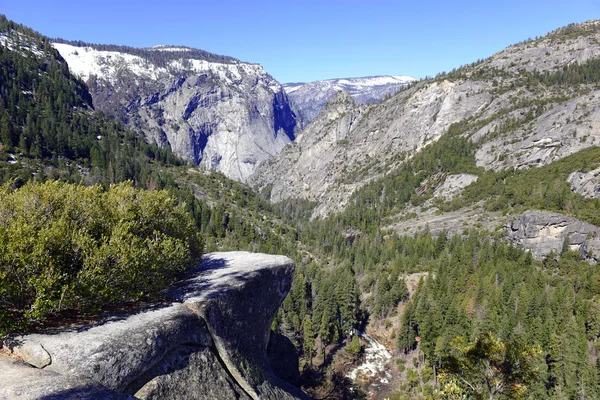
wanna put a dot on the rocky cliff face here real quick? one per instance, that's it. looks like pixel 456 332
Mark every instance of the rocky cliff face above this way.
pixel 209 342
pixel 586 184
pixel 218 112
pixel 309 98
pixel 542 232
pixel 513 106
pixel 347 145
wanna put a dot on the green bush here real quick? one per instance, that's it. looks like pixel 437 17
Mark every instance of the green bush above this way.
pixel 69 246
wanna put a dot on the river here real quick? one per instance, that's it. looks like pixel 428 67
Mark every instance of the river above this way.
pixel 374 373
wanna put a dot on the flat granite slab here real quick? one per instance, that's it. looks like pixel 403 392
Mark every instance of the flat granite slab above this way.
pixel 117 351
pixel 221 272
pixel 22 381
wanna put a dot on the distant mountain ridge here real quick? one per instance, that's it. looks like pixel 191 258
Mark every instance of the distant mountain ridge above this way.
pixel 310 97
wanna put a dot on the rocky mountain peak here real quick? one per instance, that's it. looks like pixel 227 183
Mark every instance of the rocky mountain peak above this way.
pixel 340 97
pixel 575 43
pixel 216 111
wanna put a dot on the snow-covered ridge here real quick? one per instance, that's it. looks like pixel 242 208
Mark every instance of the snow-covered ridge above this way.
pixel 310 97
pixel 109 65
pixel 162 47
pixel 357 83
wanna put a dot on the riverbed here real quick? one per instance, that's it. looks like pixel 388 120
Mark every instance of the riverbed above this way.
pixel 374 373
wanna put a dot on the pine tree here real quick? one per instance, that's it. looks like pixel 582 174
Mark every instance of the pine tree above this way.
pixel 309 339
pixel 354 347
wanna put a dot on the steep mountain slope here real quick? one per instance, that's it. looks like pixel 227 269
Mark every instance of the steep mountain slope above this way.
pixel 309 98
pixel 215 111
pixel 373 143
pixel 519 261
pixel 48 127
pixel 525 106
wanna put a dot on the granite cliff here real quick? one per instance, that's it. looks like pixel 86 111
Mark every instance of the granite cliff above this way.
pixel 215 111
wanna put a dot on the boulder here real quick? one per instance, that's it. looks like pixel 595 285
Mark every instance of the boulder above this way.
pixel 586 184
pixel 30 351
pixel 238 295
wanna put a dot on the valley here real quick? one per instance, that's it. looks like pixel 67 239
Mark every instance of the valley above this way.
pixel 424 216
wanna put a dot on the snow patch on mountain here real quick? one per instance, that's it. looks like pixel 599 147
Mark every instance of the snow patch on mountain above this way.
pixel 349 83
pixel 7 39
pixel 226 116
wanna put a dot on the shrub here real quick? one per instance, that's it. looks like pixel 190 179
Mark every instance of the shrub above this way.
pixel 69 246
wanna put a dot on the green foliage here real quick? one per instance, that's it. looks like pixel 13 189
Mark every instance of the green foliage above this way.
pixel 354 347
pixel 389 194
pixel 68 246
pixel 571 75
pixel 488 368
pixel 48 127
pixel 309 339
pixel 543 188
pixel 572 31
pixel 477 286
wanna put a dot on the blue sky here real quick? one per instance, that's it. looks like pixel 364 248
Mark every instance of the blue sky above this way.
pixel 304 40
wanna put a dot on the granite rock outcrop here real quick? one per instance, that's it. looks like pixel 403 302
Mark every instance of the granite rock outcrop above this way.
pixel 208 341
pixel 543 232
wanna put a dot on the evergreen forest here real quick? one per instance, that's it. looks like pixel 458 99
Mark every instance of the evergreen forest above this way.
pixel 65 167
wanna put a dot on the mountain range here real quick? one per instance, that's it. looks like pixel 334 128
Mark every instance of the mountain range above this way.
pixel 309 98
pixel 513 106
pixel 215 111
pixel 431 214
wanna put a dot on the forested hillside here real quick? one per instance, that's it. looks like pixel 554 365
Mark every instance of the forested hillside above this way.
pixel 472 290
pixel 48 126
pixel 475 283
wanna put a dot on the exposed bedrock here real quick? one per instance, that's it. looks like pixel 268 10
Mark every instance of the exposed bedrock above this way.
pixel 545 231
pixel 210 342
